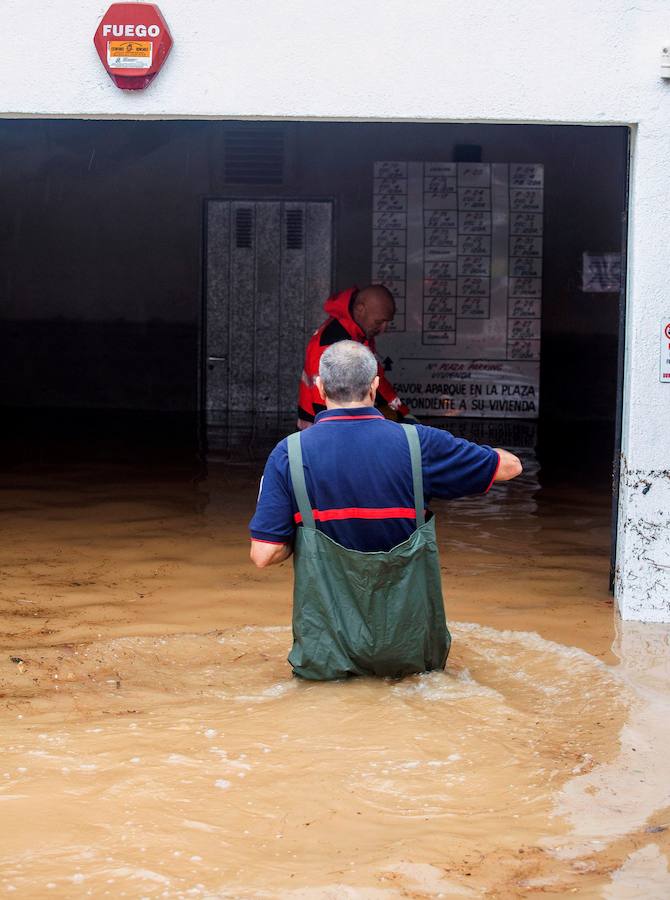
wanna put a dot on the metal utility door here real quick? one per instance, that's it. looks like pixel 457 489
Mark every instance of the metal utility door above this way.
pixel 268 273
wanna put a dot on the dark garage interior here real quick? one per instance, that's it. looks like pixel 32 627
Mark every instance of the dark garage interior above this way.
pixel 102 235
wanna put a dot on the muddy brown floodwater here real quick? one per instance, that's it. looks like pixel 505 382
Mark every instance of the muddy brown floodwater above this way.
pixel 154 743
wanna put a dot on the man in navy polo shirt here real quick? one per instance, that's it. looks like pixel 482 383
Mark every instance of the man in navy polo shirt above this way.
pixel 358 470
pixel 358 476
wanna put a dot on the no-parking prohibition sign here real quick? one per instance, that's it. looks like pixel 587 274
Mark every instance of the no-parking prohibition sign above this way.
pixel 664 372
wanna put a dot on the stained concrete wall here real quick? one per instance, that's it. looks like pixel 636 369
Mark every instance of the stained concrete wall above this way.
pixel 590 61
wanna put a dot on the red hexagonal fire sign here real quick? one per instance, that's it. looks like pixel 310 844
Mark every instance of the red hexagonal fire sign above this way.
pixel 133 42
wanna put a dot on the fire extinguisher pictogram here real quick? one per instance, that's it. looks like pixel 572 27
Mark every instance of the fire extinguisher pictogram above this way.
pixel 133 41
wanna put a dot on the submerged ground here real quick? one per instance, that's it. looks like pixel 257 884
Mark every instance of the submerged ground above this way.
pixel 154 744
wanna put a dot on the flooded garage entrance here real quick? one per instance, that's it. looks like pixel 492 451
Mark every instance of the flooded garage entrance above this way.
pixel 153 740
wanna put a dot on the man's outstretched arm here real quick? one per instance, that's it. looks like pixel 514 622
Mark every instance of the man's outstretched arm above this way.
pixel 264 554
pixel 509 466
pixel 387 393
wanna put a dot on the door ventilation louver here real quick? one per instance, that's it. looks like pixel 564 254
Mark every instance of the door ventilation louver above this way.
pixel 243 227
pixel 254 155
pixel 294 229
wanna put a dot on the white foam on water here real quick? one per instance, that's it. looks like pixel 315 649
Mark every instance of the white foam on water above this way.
pixel 178 759
pixel 196 825
pixel 139 874
pixel 279 689
pixel 444 686
pixel 430 880
pixel 237 764
pixel 335 892
pixel 617 797
pixel 643 875
pixel 271 693
pixel 266 629
pixel 528 640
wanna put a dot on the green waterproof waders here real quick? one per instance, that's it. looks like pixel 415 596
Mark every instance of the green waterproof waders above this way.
pixel 357 613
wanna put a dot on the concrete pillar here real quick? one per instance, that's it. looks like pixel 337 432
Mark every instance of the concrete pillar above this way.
pixel 642 584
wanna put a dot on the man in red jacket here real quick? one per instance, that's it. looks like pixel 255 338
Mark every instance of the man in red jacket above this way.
pixel 353 316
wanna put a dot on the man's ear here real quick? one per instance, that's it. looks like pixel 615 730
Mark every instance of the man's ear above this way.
pixel 374 387
pixel 319 386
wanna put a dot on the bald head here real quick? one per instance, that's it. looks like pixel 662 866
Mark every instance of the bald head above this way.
pixel 373 309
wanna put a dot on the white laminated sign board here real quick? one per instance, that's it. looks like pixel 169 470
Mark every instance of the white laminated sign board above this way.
pixel 460 247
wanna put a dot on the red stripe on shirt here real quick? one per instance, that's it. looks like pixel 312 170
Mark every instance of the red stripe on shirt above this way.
pixel 356 512
pixel 493 477
pixel 274 543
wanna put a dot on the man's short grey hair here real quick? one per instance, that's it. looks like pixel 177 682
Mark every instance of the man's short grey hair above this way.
pixel 347 370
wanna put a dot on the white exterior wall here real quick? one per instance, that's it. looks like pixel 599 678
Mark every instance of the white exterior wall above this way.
pixel 577 61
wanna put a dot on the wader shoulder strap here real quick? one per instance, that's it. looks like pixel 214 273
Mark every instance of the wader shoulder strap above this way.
pixel 298 479
pixel 417 474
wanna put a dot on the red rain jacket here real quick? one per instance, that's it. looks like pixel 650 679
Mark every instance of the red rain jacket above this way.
pixel 340 326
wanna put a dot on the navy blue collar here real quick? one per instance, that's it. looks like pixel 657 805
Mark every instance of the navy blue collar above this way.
pixel 359 412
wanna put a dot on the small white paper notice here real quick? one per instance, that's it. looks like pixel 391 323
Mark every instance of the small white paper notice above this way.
pixel 601 273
